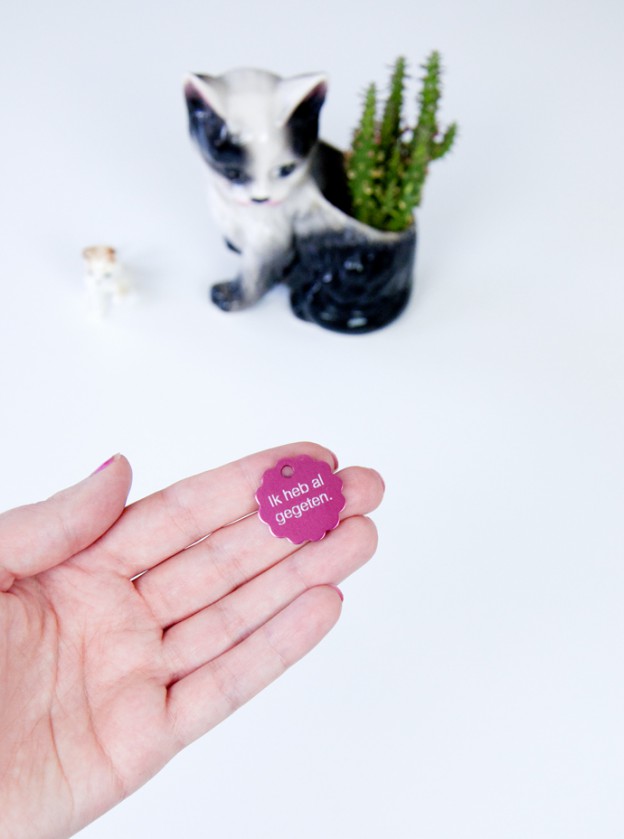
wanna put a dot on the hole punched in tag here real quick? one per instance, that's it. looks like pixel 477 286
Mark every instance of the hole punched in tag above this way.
pixel 300 499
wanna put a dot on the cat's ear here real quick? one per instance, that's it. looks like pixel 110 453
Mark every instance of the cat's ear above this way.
pixel 308 89
pixel 302 98
pixel 202 94
pixel 204 100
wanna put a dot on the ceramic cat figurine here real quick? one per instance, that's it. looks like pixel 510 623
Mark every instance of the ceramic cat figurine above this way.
pixel 268 175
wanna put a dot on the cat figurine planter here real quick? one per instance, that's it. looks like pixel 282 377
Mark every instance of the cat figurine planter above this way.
pixel 280 198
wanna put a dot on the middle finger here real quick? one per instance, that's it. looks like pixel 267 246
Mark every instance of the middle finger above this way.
pixel 233 555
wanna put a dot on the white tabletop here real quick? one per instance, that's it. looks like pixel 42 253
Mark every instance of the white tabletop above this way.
pixel 473 688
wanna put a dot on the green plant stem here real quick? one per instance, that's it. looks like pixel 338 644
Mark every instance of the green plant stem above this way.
pixel 389 162
pixel 361 163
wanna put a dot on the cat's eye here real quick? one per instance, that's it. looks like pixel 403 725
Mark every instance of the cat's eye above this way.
pixel 286 170
pixel 234 174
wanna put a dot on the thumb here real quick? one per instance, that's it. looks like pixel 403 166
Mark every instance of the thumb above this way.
pixel 38 536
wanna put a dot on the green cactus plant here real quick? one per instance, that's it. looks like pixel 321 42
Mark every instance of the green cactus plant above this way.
pixel 362 159
pixel 388 162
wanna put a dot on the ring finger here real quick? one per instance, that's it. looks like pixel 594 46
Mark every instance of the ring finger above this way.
pixel 217 628
pixel 233 555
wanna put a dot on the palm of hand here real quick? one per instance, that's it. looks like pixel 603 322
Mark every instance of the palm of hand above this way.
pixel 105 676
pixel 86 704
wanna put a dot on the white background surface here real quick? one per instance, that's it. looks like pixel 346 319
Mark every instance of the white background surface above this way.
pixel 473 688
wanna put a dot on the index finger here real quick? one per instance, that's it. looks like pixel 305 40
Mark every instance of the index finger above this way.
pixel 160 525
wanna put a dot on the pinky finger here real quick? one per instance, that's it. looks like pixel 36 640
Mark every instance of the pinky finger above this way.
pixel 207 696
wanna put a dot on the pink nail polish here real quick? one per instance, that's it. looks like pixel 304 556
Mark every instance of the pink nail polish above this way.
pixel 105 464
pixel 338 592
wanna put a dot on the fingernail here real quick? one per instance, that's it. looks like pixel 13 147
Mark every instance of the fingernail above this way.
pixel 105 464
pixel 338 592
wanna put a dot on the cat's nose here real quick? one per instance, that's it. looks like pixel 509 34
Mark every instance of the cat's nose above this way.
pixel 259 200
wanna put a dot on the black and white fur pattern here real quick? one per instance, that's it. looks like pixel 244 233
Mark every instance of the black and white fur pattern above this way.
pixel 258 133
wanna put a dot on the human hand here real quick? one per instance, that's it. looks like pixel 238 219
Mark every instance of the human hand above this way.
pixel 105 675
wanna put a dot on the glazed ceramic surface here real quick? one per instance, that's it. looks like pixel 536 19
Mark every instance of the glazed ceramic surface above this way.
pixel 280 198
pixel 351 282
pixel 257 133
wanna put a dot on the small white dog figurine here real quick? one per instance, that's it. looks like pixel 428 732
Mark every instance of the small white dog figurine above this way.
pixel 104 278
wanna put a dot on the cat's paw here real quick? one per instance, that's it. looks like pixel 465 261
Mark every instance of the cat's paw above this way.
pixel 228 296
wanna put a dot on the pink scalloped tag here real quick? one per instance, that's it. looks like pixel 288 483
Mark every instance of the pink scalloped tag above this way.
pixel 300 499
